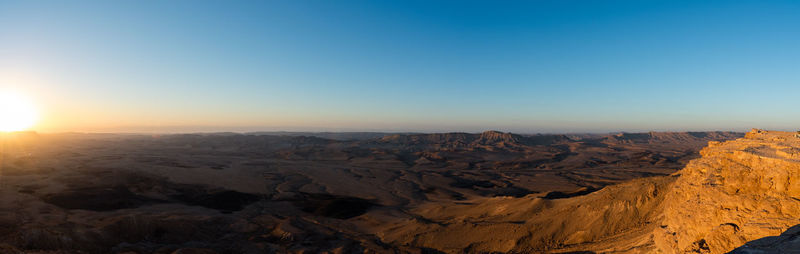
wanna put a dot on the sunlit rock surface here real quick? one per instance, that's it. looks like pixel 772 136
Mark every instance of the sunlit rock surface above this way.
pixel 737 192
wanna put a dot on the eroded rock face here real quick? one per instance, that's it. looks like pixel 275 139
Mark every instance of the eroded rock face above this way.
pixel 737 192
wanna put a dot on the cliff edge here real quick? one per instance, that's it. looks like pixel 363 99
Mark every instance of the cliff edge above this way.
pixel 738 191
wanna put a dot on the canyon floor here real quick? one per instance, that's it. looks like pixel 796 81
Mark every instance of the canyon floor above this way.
pixel 489 192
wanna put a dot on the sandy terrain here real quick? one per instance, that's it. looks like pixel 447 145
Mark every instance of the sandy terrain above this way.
pixel 367 192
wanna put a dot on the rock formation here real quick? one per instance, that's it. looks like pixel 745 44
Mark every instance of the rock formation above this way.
pixel 738 191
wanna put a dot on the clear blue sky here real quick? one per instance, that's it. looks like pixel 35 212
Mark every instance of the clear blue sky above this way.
pixel 523 66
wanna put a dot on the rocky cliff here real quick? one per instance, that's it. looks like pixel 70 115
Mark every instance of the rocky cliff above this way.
pixel 736 192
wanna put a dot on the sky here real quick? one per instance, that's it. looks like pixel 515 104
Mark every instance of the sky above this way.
pixel 424 66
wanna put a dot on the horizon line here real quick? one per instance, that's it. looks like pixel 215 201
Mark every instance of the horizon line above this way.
pixel 371 131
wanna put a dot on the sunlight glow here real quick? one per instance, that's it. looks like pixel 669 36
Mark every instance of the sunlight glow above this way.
pixel 17 112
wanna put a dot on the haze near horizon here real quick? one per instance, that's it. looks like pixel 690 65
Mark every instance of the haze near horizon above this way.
pixel 425 66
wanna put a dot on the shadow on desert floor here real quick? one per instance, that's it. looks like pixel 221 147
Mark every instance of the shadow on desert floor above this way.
pixel 786 242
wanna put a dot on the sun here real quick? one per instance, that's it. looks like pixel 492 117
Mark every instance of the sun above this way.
pixel 17 112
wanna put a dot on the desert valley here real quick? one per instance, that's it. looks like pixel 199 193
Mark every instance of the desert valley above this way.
pixel 490 192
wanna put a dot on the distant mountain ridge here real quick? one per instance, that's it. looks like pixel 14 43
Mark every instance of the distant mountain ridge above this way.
pixel 342 136
pixel 506 139
pixel 670 136
pixel 495 137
